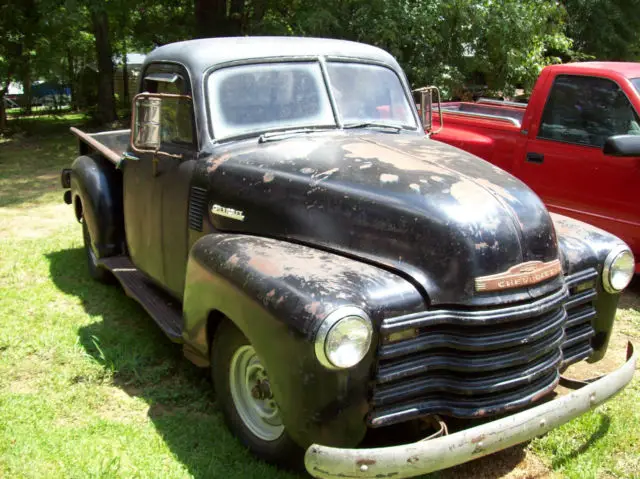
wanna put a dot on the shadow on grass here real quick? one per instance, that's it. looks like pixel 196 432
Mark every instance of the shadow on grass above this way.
pixel 145 364
pixel 125 341
pixel 560 460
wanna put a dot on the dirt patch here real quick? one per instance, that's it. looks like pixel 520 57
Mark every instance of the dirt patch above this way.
pixel 514 463
pixel 118 406
pixel 23 385
pixel 34 222
pixel 613 359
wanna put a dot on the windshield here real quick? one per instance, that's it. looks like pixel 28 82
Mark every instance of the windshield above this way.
pixel 636 83
pixel 369 93
pixel 257 98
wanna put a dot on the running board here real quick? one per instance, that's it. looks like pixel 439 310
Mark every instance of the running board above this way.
pixel 164 310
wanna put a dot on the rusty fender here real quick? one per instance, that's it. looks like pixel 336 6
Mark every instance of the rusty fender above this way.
pixel 278 293
pixel 583 247
pixel 422 457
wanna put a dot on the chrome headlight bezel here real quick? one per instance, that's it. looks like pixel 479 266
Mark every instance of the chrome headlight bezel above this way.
pixel 329 323
pixel 608 268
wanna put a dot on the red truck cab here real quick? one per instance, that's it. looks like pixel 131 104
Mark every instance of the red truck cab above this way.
pixel 555 142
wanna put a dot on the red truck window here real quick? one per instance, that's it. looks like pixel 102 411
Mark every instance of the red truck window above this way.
pixel 587 110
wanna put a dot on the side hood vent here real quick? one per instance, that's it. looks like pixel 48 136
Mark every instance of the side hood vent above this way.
pixel 197 205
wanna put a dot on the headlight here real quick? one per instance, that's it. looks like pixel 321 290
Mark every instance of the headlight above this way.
pixel 618 270
pixel 344 338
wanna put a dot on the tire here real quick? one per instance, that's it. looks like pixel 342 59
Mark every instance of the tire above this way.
pixel 232 352
pixel 96 271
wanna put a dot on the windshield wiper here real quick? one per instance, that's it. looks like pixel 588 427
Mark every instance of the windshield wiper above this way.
pixel 282 134
pixel 377 124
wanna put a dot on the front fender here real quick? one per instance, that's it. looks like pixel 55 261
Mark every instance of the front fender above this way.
pixel 278 294
pixel 582 247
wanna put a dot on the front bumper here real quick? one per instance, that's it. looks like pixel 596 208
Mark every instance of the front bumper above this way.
pixel 409 460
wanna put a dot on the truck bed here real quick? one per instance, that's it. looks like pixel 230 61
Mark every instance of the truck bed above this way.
pixel 111 144
pixel 507 112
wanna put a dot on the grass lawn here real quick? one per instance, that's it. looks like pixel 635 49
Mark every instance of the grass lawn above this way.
pixel 90 387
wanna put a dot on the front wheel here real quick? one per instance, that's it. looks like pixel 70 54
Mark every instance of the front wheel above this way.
pixel 244 394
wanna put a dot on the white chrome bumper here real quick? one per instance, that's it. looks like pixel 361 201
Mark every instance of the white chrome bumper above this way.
pixel 409 460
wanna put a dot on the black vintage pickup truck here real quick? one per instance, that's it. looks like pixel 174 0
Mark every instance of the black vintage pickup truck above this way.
pixel 278 210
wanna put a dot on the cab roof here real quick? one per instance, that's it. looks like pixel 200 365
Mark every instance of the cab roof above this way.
pixel 199 55
pixel 626 69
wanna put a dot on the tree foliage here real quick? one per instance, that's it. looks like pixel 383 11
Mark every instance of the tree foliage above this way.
pixel 501 45
pixel 604 29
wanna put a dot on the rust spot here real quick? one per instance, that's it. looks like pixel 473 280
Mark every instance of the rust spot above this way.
pixel 268 177
pixel 413 460
pixel 387 178
pixel 271 293
pixel 233 260
pixel 313 308
pixel 362 150
pixel 365 462
pixel 479 438
pixel 214 163
pixel 266 267
pixel 466 192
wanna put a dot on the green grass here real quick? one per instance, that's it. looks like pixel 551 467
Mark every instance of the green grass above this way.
pixel 89 386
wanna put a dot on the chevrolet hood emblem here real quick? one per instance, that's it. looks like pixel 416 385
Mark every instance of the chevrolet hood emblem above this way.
pixel 520 275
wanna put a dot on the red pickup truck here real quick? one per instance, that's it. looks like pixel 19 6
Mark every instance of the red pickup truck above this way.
pixel 575 143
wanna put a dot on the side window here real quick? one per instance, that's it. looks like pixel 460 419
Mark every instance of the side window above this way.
pixel 587 110
pixel 176 114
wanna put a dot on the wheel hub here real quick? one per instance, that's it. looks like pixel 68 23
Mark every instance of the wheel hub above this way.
pixel 252 395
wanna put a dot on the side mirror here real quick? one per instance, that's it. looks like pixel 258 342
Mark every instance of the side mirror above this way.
pixel 622 145
pixel 161 118
pixel 146 122
pixel 425 109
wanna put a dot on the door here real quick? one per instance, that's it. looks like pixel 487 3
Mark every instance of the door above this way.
pixel 564 163
pixel 157 185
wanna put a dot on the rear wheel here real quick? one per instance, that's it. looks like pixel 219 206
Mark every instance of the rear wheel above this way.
pixel 245 397
pixel 96 271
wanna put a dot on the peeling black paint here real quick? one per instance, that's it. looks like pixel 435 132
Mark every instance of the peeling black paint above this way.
pixel 278 293
pixel 436 214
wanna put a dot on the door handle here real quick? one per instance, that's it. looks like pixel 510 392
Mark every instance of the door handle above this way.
pixel 533 157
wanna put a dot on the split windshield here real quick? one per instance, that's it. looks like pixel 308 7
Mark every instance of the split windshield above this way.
pixel 253 99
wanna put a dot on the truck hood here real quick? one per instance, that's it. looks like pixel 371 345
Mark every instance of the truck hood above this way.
pixel 436 215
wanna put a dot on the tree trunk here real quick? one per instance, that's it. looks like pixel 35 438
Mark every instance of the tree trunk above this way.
pixel 125 75
pixel 26 85
pixel 106 102
pixel 211 18
pixel 71 74
pixel 3 112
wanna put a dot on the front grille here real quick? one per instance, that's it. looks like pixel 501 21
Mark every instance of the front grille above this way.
pixel 483 361
pixel 580 312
